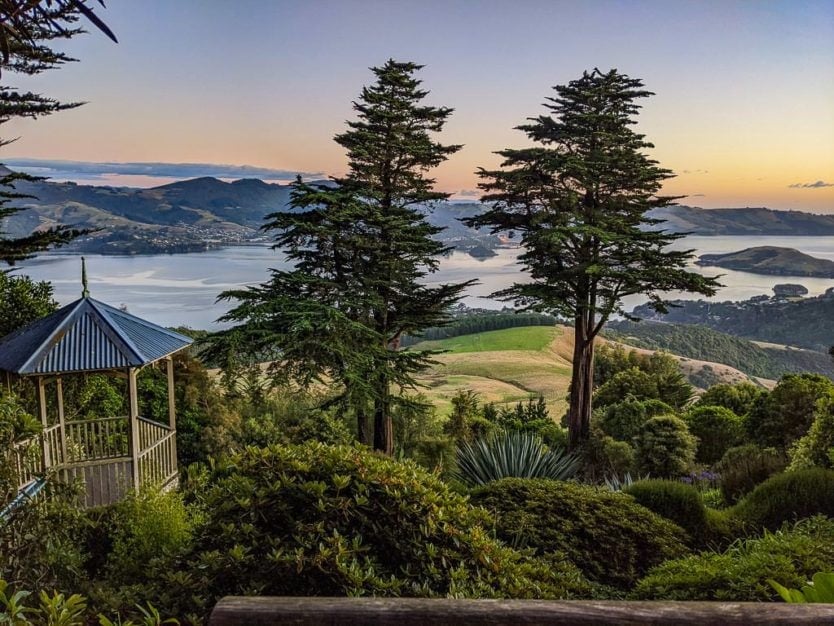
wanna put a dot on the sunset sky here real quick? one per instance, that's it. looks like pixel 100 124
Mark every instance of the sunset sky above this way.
pixel 744 111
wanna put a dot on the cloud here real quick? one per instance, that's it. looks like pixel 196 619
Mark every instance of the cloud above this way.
pixel 88 169
pixel 817 185
pixel 696 195
pixel 695 172
pixel 468 193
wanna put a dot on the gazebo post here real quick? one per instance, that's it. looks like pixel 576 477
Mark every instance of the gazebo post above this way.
pixel 59 387
pixel 172 404
pixel 44 421
pixel 133 399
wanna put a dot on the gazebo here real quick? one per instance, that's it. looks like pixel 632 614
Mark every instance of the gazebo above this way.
pixel 109 455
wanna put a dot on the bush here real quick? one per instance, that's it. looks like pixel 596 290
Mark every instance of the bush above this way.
pixel 683 505
pixel 673 500
pixel 633 382
pixel 286 520
pixel 147 525
pixel 743 467
pixel 42 541
pixel 611 538
pixel 717 430
pixel 604 456
pixel 517 454
pixel 624 420
pixel 739 398
pixel 786 414
pixel 816 449
pixel 788 497
pixel 664 448
pixel 789 556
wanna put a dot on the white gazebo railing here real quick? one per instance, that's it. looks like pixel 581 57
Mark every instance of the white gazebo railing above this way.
pixel 97 453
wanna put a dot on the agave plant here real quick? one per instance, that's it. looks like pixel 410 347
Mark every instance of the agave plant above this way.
pixel 821 589
pixel 512 454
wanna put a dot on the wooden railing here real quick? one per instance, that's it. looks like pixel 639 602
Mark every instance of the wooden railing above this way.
pixel 312 611
pixel 158 463
pixel 87 446
pixel 27 460
pixel 97 439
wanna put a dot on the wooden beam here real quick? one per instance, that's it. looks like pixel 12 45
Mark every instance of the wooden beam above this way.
pixel 44 420
pixel 318 611
pixel 172 398
pixel 133 416
pixel 59 392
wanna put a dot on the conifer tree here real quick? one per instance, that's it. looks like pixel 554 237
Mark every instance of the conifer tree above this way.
pixel 29 31
pixel 361 249
pixel 579 200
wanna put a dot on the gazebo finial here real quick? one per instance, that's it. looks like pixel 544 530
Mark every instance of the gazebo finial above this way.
pixel 85 292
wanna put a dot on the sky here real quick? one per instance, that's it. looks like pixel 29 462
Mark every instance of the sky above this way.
pixel 743 111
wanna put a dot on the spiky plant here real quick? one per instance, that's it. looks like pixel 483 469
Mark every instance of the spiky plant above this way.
pixel 512 454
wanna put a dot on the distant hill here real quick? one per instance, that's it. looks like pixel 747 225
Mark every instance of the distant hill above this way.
pixel 771 260
pixel 761 360
pixel 189 214
pixel 203 212
pixel 746 221
pixel 805 323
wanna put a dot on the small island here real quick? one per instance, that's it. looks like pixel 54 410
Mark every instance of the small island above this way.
pixel 771 260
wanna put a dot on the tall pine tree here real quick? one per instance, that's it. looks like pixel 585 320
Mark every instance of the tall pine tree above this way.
pixel 579 201
pixel 362 250
pixel 29 30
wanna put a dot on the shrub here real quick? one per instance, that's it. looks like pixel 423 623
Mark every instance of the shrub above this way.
pixel 147 525
pixel 517 454
pixel 286 520
pixel 673 500
pixel 788 497
pixel 624 420
pixel 632 382
pixel 42 541
pixel 819 590
pixel 739 398
pixel 787 412
pixel 789 556
pixel 743 467
pixel 717 430
pixel 611 538
pixel 816 449
pixel 605 456
pixel 664 448
pixel 683 505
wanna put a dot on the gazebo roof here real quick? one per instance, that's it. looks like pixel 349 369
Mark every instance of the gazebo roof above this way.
pixel 85 336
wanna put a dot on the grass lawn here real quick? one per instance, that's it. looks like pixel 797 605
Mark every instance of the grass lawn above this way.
pixel 524 338
pixel 502 366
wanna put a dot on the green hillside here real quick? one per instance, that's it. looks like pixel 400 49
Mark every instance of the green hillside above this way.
pixel 525 338
pixel 699 342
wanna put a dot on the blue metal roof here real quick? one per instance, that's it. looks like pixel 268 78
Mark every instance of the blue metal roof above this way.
pixel 85 336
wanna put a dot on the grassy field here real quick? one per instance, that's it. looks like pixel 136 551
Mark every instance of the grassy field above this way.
pixel 525 339
pixel 503 366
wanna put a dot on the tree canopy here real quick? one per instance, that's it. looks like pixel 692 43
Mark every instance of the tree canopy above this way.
pixel 362 251
pixel 30 33
pixel 579 200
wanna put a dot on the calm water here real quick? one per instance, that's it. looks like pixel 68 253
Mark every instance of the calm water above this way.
pixel 182 289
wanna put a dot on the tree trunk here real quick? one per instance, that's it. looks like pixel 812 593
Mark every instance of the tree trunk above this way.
pixel 363 427
pixel 383 424
pixel 582 385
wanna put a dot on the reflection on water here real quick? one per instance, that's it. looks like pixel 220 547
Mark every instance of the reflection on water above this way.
pixel 182 289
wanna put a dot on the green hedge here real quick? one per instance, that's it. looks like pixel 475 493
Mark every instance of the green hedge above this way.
pixel 610 537
pixel 788 497
pixel 336 521
pixel 682 504
pixel 790 556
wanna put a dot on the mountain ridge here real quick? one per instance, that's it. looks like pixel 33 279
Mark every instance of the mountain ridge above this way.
pixel 203 212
